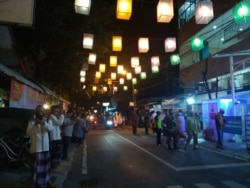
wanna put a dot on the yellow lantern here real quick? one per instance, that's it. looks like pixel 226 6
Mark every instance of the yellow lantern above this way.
pixel 170 44
pixel 82 6
pixel 94 88
pixel 102 67
pixel 165 11
pixel 143 45
pixel 109 81
pixel 155 61
pixel 113 61
pixel 135 62
pixel 116 43
pixel 124 9
pixel 105 88
pixel 92 58
pixel 97 75
pixel 113 75
pixel 88 41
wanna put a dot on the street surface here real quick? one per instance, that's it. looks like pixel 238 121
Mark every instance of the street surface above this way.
pixel 117 159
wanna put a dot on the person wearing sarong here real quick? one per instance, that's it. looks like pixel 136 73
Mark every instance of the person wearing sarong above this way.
pixel 38 130
pixel 55 136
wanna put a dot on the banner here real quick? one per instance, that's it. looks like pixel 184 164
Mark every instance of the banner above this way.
pixel 233 125
pixel 22 96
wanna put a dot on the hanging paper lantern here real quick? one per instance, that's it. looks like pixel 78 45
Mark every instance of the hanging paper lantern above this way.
pixel 129 75
pixel 102 67
pixel 120 69
pixel 135 62
pixel 82 79
pixel 241 12
pixel 97 75
pixel 82 73
pixel 197 43
pixel 155 69
pixel 105 88
pixel 115 88
pixel 109 82
pixel 125 88
pixel 143 75
pixel 134 81
pixel 165 11
pixel 204 12
pixel 116 43
pixel 155 61
pixel 170 44
pixel 121 81
pixel 94 88
pixel 113 76
pixel 82 6
pixel 175 59
pixel 88 41
pixel 92 58
pixel 124 9
pixel 143 45
pixel 138 70
pixel 113 61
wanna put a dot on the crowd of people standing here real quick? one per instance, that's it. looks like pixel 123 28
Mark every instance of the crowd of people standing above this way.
pixel 50 137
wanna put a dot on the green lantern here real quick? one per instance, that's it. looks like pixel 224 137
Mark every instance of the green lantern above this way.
pixel 143 75
pixel 197 43
pixel 125 88
pixel 175 59
pixel 154 69
pixel 241 12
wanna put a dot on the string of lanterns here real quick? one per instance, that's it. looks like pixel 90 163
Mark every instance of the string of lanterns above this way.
pixel 165 13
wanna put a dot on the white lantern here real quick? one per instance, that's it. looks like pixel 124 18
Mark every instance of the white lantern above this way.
pixel 135 62
pixel 143 45
pixel 82 6
pixel 120 69
pixel 165 11
pixel 82 73
pixel 82 79
pixel 92 58
pixel 129 75
pixel 121 81
pixel 155 61
pixel 88 41
pixel 138 70
pixel 204 12
pixel 170 44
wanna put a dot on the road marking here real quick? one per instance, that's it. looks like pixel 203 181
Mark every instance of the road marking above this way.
pixel 233 184
pixel 186 168
pixel 204 185
pixel 175 186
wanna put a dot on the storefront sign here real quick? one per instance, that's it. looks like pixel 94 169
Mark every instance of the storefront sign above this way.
pixel 22 96
pixel 233 125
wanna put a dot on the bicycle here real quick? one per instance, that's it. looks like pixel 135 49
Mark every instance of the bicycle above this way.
pixel 14 151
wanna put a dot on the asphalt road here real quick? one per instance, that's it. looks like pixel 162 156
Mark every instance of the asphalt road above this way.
pixel 118 159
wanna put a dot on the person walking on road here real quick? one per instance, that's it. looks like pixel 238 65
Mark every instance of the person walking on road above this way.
pixel 39 138
pixel 158 123
pixel 192 128
pixel 220 122
pixel 80 129
pixel 57 119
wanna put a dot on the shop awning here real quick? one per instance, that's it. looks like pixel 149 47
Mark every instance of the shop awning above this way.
pixel 19 77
